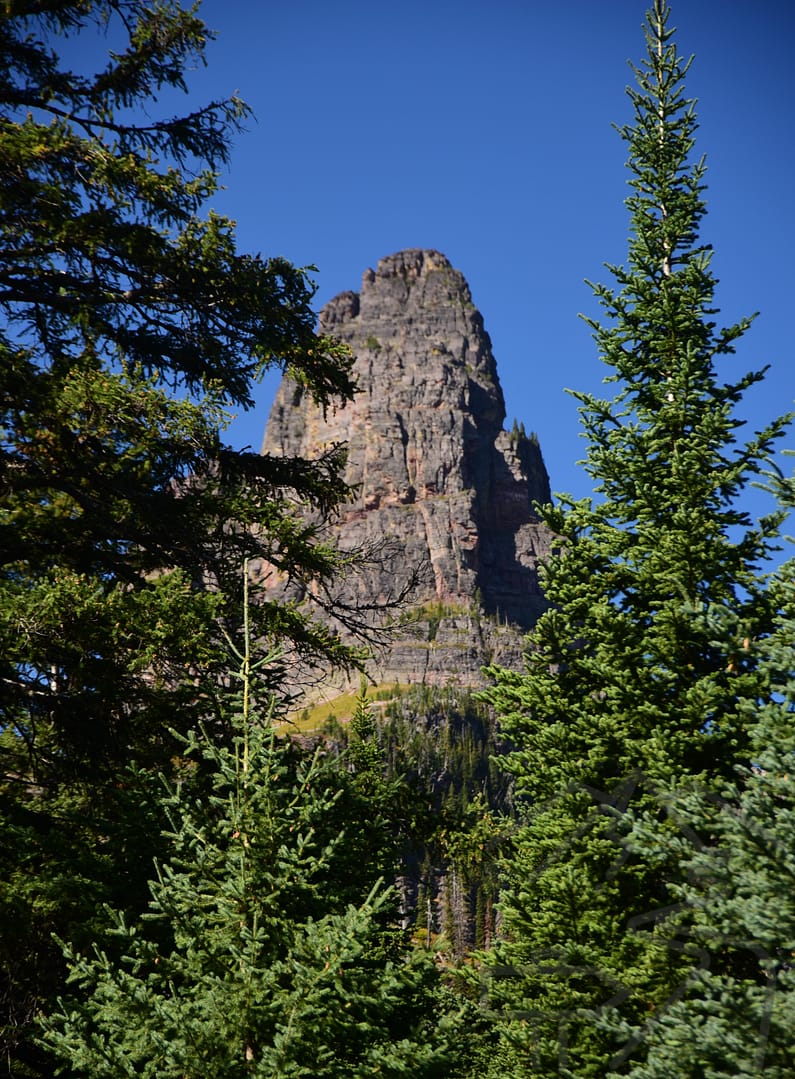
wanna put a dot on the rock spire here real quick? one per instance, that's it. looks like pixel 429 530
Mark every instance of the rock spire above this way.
pixel 435 473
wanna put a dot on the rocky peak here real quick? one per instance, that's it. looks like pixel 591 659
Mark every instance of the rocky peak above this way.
pixel 435 472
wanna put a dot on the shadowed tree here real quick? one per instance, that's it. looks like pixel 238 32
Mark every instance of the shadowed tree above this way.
pixel 129 325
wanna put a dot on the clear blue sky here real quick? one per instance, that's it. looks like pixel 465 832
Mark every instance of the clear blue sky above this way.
pixel 483 128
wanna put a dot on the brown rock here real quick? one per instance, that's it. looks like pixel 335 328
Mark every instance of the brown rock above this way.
pixel 436 476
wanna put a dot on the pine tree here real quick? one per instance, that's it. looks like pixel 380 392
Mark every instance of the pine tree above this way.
pixel 245 964
pixel 628 692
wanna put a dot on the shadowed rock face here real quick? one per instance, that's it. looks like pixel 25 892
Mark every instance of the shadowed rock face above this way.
pixel 434 471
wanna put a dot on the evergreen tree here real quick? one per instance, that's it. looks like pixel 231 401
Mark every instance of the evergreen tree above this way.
pixel 628 692
pixel 129 326
pixel 443 742
pixel 737 905
pixel 364 752
pixel 245 964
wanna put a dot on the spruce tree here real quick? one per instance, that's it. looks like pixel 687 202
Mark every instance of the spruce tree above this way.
pixel 629 692
pixel 736 904
pixel 246 963
pixel 364 752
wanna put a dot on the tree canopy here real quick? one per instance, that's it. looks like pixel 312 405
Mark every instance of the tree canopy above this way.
pixel 735 905
pixel 129 325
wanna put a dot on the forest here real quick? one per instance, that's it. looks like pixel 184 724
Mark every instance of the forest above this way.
pixel 584 870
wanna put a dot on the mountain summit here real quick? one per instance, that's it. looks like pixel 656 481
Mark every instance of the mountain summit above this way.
pixel 436 476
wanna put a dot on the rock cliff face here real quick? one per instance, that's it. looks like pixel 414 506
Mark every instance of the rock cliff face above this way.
pixel 435 473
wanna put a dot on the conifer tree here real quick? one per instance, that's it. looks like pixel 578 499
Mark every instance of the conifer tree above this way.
pixel 130 325
pixel 364 752
pixel 737 904
pixel 245 963
pixel 628 691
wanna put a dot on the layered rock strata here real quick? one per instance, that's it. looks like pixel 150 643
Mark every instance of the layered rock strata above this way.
pixel 435 474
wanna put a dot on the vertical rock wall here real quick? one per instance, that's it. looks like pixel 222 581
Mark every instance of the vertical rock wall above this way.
pixel 436 475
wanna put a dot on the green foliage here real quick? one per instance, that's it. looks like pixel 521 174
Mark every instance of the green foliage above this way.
pixel 420 762
pixel 364 752
pixel 736 904
pixel 63 854
pixel 114 295
pixel 634 686
pixel 246 961
pixel 129 326
pixel 441 744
